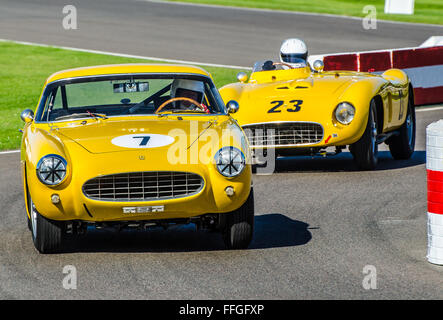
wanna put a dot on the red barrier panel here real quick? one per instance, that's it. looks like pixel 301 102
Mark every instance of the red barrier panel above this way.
pixel 435 207
pixel 375 61
pixel 420 57
pixel 428 95
pixel 341 62
pixel 435 191
pixel 435 185
pixel 424 67
pixel 435 197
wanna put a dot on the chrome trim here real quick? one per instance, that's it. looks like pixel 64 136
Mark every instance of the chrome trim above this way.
pixel 284 145
pixel 143 186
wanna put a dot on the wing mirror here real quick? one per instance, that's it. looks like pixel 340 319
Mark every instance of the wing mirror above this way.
pixel 232 106
pixel 242 77
pixel 27 115
pixel 318 65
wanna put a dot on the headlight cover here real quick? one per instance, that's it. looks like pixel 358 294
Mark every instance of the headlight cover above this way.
pixel 344 113
pixel 51 169
pixel 230 161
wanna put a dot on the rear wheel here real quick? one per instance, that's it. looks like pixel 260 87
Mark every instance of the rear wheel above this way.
pixel 239 228
pixel 402 146
pixel 47 235
pixel 365 150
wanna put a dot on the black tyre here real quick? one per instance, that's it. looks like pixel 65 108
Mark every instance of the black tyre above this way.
pixel 47 235
pixel 239 228
pixel 403 145
pixel 365 150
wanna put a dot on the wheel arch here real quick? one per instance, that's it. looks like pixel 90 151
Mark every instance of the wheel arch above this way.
pixel 380 113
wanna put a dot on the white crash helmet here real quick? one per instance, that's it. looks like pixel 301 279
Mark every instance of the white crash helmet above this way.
pixel 294 52
pixel 190 85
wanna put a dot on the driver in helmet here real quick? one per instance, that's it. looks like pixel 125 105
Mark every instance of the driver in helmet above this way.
pixel 185 88
pixel 294 52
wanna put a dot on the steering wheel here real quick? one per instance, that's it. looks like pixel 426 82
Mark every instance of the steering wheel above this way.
pixel 283 64
pixel 198 105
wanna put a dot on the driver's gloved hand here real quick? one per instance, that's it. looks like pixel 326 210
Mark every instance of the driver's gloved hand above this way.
pixel 268 65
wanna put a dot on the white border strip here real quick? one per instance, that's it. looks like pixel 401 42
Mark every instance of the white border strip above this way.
pixel 422 109
pixel 173 2
pixel 127 55
pixel 9 151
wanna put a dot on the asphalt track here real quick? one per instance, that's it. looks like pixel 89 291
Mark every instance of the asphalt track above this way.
pixel 319 222
pixel 195 33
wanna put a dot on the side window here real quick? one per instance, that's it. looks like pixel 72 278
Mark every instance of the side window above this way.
pixel 53 103
pixel 57 104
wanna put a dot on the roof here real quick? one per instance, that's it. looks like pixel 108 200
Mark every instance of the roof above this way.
pixel 124 69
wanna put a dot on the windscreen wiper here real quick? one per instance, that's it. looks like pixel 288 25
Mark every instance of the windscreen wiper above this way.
pixel 83 114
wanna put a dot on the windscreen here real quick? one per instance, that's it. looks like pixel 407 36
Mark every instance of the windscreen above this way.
pixel 129 95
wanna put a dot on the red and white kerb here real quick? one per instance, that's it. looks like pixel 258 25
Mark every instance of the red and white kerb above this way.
pixel 434 167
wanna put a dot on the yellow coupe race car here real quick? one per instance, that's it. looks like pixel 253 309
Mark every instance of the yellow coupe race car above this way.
pixel 300 111
pixel 134 146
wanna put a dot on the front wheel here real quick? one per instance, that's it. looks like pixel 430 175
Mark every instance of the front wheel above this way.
pixel 239 228
pixel 365 150
pixel 402 146
pixel 47 235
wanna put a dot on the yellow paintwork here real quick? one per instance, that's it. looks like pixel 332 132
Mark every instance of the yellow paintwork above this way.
pixel 320 93
pixel 89 153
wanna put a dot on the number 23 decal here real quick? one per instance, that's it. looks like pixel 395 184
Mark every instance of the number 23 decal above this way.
pixel 294 107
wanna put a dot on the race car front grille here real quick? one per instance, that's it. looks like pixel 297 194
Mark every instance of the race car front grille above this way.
pixel 143 186
pixel 283 134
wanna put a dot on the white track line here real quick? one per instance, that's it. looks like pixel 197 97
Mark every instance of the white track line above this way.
pixel 127 55
pixel 422 109
pixel 9 151
pixel 284 12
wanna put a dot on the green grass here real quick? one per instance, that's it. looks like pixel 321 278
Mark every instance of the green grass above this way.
pixel 425 11
pixel 24 69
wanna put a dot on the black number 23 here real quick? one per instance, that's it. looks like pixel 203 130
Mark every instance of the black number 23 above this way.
pixel 294 107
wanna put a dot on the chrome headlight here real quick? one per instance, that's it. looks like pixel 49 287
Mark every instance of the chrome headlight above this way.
pixel 230 161
pixel 51 169
pixel 344 113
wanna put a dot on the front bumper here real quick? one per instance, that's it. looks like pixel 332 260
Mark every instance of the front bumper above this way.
pixel 74 205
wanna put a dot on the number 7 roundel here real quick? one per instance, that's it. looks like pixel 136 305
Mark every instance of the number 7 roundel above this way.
pixel 142 141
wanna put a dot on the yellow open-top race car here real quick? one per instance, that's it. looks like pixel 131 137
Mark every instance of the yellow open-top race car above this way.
pixel 134 146
pixel 287 110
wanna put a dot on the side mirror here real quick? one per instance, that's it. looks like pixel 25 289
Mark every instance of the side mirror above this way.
pixel 27 115
pixel 318 65
pixel 242 77
pixel 232 106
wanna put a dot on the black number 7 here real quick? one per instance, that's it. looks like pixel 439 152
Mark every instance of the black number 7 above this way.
pixel 145 140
